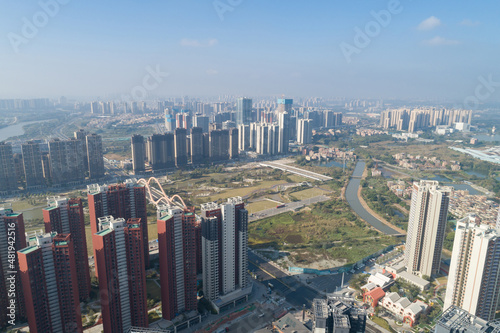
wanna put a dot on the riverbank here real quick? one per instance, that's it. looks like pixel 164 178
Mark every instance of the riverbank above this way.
pixel 353 198
pixel 372 212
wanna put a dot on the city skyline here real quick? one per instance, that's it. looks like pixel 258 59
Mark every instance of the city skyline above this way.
pixel 412 50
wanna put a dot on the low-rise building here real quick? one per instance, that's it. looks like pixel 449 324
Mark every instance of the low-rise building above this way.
pixel 403 309
pixel 373 296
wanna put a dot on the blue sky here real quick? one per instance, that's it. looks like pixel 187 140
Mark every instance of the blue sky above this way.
pixel 91 49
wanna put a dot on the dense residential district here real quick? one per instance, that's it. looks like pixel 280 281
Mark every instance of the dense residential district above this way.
pixel 235 215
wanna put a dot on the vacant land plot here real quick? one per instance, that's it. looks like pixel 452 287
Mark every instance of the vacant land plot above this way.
pixel 241 192
pixel 260 205
pixel 329 232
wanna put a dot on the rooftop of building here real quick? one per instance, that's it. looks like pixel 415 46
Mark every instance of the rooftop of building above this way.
pixel 165 217
pixel 29 249
pixel 455 319
pixel 341 321
pixel 289 324
pixel 413 279
pixel 104 232
pixel 376 293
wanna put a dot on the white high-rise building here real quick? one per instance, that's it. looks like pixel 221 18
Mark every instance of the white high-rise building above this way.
pixel 426 227
pixel 262 139
pixel 304 131
pixel 473 280
pixel 224 252
pixel 284 132
pixel 243 137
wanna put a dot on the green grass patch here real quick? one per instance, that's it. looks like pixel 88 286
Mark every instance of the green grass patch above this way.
pixel 309 193
pixel 153 290
pixel 382 323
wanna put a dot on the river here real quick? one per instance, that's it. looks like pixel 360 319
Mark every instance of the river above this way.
pixel 15 130
pixel 353 200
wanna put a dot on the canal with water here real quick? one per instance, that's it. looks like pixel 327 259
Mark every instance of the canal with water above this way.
pixel 353 200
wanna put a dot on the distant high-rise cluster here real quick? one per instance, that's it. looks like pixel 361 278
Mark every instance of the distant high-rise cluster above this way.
pixel 64 162
pixel 413 120
pixel 219 134
pixel 25 104
pixel 178 149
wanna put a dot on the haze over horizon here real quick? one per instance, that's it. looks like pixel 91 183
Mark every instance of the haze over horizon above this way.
pixel 422 50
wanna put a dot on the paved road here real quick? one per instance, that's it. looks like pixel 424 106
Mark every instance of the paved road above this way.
pixel 289 207
pixel 353 200
pixel 297 171
pixel 251 322
pixel 295 292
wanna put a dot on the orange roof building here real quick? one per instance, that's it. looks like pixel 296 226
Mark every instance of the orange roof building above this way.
pixel 373 296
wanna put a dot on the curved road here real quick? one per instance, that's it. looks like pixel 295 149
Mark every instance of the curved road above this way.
pixel 351 195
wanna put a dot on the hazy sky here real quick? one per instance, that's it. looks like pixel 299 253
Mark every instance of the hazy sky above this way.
pixel 88 48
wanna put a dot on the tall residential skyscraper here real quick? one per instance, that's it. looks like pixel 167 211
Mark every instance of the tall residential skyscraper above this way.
pixel 261 139
pixel 169 121
pixel 284 132
pixel 304 131
pixel 160 151
pixel 202 122
pixel 243 137
pixel 426 227
pixel 8 178
pixel 233 143
pixel 81 135
pixel 177 249
pixel 180 147
pixel 66 161
pixel 127 200
pixel 50 284
pixel 138 153
pixel 196 145
pixel 95 156
pixel 474 277
pixel 225 253
pixel 243 111
pixel 285 105
pixel 32 159
pixel 219 145
pixel 11 228
pixel 122 274
pixel 65 216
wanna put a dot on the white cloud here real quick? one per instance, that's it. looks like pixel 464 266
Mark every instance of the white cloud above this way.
pixel 438 41
pixel 470 23
pixel 212 72
pixel 196 43
pixel 429 24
